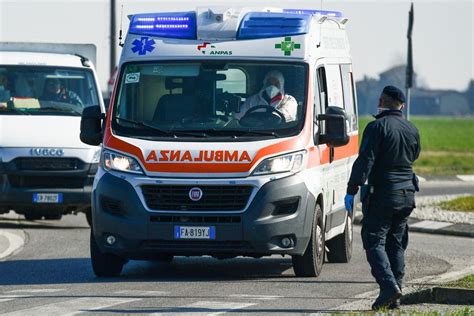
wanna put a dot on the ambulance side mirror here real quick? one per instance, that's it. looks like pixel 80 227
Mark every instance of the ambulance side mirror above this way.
pixel 91 125
pixel 336 132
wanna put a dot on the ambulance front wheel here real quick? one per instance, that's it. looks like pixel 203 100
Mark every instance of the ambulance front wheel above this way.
pixel 340 247
pixel 103 264
pixel 311 262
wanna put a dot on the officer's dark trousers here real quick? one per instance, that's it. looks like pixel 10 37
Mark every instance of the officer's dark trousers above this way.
pixel 385 235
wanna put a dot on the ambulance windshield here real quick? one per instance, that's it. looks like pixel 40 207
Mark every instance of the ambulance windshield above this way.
pixel 211 99
pixel 41 90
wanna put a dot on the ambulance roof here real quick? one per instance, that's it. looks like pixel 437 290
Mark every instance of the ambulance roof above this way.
pixel 227 23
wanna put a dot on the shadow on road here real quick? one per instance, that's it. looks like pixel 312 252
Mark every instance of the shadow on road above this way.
pixel 13 223
pixel 205 269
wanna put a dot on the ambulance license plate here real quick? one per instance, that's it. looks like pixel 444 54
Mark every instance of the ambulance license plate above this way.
pixel 194 232
pixel 47 198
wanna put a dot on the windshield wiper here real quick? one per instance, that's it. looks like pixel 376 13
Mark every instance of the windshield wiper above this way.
pixel 14 110
pixel 172 133
pixel 256 133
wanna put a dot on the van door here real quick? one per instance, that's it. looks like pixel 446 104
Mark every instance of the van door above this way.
pixel 337 168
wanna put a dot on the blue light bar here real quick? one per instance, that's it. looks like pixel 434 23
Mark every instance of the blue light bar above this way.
pixel 270 24
pixel 170 25
pixel 334 14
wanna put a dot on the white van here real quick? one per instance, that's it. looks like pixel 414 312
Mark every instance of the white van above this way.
pixel 197 160
pixel 45 170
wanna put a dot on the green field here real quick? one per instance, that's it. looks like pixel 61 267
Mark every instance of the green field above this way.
pixel 447 145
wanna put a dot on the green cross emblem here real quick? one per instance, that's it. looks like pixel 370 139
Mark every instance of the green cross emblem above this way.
pixel 287 46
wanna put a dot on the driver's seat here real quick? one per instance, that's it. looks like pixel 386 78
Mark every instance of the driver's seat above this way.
pixel 173 107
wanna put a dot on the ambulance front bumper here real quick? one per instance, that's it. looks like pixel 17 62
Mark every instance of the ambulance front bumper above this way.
pixel 280 209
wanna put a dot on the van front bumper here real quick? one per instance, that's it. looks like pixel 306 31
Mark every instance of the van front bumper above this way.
pixel 281 208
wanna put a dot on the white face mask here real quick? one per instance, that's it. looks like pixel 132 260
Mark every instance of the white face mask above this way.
pixel 272 91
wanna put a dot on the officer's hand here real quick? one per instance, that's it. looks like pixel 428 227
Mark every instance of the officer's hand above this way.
pixel 349 202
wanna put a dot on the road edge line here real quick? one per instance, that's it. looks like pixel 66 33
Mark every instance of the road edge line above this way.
pixel 15 243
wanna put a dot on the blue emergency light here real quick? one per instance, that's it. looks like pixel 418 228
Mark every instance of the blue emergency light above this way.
pixel 334 14
pixel 270 24
pixel 169 25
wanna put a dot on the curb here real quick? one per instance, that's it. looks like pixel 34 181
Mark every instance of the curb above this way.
pixel 15 240
pixel 440 295
pixel 432 227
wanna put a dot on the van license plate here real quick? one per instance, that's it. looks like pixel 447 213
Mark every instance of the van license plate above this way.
pixel 194 232
pixel 47 198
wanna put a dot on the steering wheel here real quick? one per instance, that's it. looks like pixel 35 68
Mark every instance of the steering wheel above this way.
pixel 254 116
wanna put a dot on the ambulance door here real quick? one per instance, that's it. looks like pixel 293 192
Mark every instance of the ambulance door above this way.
pixel 338 164
pixel 320 104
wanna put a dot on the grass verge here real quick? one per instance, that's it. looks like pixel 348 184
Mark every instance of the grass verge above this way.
pixel 447 145
pixel 466 283
pixel 461 204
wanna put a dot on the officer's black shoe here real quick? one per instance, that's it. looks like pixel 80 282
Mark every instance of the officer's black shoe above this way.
pixel 394 305
pixel 387 297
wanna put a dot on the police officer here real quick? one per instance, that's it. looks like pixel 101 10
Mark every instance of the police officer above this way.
pixel 389 147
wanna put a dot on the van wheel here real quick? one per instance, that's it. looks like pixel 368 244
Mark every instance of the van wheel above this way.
pixel 103 264
pixel 340 247
pixel 88 213
pixel 311 262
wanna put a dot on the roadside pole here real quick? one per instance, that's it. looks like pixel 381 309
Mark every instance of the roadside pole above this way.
pixel 409 68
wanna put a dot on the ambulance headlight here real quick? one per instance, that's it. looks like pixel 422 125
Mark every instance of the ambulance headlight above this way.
pixel 119 162
pixel 286 163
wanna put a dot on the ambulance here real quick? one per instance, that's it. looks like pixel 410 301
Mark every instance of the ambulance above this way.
pixel 45 170
pixel 200 159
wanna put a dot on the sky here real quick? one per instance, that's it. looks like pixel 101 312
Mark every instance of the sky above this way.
pixel 443 35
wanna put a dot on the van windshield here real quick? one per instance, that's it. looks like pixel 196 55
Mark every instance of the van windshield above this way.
pixel 41 90
pixel 211 99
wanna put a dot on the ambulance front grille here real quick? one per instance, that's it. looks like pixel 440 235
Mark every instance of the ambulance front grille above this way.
pixel 214 197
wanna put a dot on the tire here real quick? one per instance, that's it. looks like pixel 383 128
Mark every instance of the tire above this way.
pixel 103 264
pixel 88 213
pixel 340 247
pixel 311 262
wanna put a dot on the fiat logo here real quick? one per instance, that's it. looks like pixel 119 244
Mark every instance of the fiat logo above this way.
pixel 195 194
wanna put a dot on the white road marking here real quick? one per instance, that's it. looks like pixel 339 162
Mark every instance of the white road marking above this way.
pixel 430 225
pixel 257 297
pixel 6 298
pixel 36 291
pixel 206 308
pixel 466 177
pixel 15 242
pixel 141 293
pixel 73 307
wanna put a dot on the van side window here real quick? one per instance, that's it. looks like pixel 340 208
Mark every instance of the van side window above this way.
pixel 349 95
pixel 323 89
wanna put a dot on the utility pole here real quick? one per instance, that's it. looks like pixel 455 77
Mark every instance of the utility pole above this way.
pixel 409 69
pixel 113 61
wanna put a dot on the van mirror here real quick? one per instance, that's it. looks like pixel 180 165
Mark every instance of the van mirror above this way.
pixel 336 132
pixel 91 125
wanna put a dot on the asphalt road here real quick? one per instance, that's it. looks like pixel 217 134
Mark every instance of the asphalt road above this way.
pixel 52 275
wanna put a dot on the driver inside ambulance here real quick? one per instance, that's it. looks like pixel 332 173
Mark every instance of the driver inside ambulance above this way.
pixel 272 94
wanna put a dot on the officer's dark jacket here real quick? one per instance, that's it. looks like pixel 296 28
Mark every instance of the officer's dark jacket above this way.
pixel 389 147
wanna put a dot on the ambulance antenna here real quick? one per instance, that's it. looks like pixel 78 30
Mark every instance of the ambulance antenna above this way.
pixel 121 24
pixel 320 28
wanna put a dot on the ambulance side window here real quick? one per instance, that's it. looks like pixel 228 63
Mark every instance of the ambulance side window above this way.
pixel 321 95
pixel 349 95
